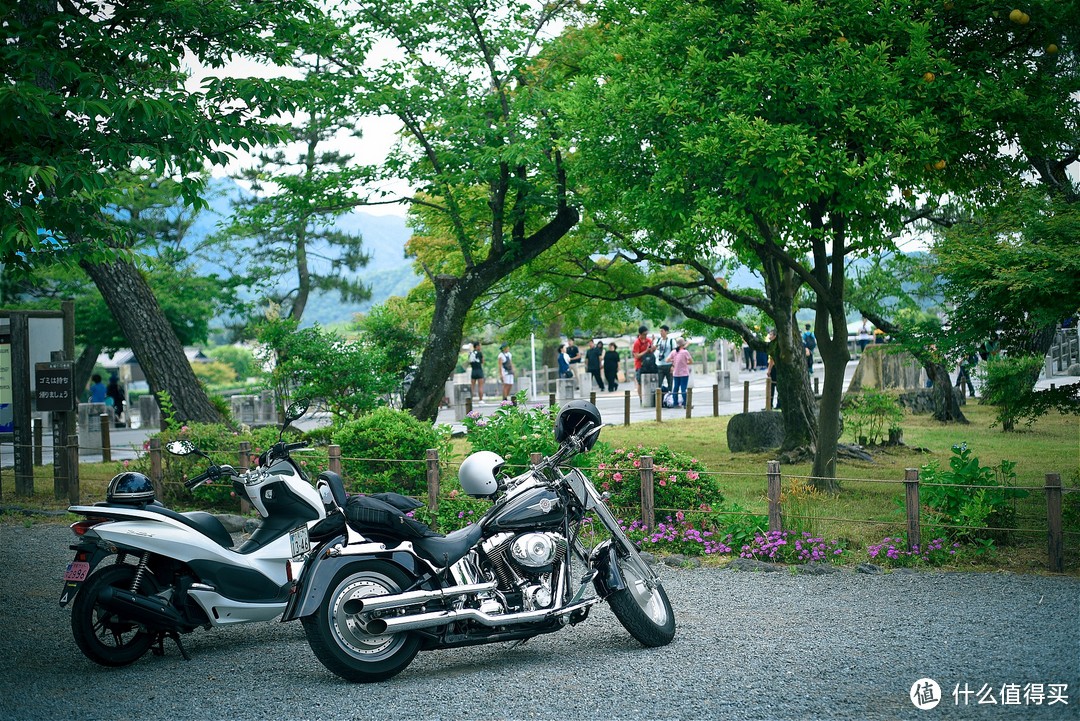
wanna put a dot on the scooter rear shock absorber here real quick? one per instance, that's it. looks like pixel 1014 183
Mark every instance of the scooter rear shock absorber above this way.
pixel 140 572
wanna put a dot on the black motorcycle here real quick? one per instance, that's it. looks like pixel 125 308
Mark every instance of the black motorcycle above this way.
pixel 380 586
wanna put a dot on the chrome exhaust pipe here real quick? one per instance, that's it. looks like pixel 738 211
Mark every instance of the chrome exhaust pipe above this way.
pixel 411 598
pixel 397 624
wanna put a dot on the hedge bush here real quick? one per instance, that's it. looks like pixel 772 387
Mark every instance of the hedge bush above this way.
pixel 395 436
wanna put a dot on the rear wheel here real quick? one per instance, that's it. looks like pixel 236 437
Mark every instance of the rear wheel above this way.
pixel 103 636
pixel 642 607
pixel 339 640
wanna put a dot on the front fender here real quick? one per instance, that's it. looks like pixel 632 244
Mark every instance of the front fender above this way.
pixel 319 572
pixel 608 579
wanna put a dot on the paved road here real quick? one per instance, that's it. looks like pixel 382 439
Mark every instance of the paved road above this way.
pixel 748 646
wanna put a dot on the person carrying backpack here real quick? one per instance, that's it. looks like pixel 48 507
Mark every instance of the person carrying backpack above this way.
pixel 810 343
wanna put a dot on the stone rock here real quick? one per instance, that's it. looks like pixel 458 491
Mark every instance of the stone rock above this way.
pixel 648 557
pixel 752 564
pixel 880 367
pixel 1073 370
pixel 845 450
pixel 869 569
pixel 813 568
pixel 921 402
pixel 677 560
pixel 252 524
pixel 232 522
pixel 757 431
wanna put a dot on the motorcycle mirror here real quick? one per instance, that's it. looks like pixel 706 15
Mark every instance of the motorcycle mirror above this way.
pixel 181 448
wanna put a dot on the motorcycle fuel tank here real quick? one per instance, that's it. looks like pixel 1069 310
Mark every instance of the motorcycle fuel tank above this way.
pixel 529 509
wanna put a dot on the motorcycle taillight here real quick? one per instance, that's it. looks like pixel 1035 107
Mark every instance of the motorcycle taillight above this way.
pixel 81 527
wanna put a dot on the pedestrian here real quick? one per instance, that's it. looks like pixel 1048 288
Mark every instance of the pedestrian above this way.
pixel 593 362
pixel 748 356
pixel 115 391
pixel 680 371
pixel 642 344
pixel 563 359
pixel 476 364
pixel 506 370
pixel 810 343
pixel 773 347
pixel 611 368
pixel 665 346
pixel 963 377
pixel 863 338
pixel 97 390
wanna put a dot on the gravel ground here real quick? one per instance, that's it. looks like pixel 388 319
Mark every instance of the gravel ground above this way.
pixel 747 646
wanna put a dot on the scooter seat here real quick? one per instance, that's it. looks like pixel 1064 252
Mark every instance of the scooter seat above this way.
pixel 446 550
pixel 201 521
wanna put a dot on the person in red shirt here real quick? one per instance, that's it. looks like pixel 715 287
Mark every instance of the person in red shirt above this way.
pixel 642 345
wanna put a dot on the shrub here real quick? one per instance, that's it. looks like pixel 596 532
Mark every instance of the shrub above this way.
pixel 456 508
pixel 870 414
pixel 1007 384
pixel 688 534
pixel 681 482
pixel 978 498
pixel 514 431
pixel 385 451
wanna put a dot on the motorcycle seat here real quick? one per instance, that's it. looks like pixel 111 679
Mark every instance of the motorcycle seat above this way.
pixel 337 487
pixel 449 549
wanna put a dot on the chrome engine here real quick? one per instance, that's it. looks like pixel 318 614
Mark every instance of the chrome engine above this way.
pixel 525 566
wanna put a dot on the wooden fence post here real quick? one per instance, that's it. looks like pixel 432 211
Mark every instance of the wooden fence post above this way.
pixel 468 405
pixel 689 401
pixel 746 396
pixel 432 461
pixel 243 457
pixel 74 495
pixel 626 408
pixel 333 452
pixel 535 458
pixel 911 504
pixel 716 400
pixel 37 441
pixel 106 443
pixel 592 397
pixel 772 475
pixel 768 393
pixel 1054 540
pixel 156 475
pixel 648 504
pixel 551 399
pixel 817 390
pixel 659 405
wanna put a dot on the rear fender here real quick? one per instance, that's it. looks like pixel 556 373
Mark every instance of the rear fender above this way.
pixel 91 552
pixel 608 579
pixel 319 571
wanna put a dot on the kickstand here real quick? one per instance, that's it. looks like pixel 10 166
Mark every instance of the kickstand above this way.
pixel 159 649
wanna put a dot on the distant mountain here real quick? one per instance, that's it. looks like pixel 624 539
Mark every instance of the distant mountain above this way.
pixel 388 272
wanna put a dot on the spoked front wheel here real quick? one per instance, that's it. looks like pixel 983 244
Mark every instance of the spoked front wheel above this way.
pixel 103 636
pixel 339 639
pixel 642 607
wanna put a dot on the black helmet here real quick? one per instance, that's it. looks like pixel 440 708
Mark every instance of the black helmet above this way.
pixel 573 418
pixel 130 487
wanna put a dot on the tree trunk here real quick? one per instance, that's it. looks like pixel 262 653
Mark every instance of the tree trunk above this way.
pixel 946 407
pixel 830 328
pixel 793 387
pixel 152 339
pixel 455 296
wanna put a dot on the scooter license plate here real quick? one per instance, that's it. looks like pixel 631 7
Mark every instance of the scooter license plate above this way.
pixel 300 542
pixel 79 570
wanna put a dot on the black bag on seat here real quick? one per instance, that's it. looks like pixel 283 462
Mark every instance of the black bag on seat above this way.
pixel 367 514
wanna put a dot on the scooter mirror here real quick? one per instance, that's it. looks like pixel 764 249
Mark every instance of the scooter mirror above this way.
pixel 181 448
pixel 295 410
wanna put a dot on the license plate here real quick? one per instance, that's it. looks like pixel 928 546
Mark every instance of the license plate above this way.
pixel 301 544
pixel 79 570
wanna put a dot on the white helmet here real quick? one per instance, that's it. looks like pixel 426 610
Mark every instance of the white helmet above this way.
pixel 477 473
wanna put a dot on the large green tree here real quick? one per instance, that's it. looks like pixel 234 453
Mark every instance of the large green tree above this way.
pixel 805 134
pixel 92 88
pixel 478 149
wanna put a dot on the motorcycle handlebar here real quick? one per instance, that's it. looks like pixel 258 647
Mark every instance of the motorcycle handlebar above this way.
pixel 210 474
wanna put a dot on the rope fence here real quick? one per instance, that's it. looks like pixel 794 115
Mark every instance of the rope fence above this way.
pixel 67 486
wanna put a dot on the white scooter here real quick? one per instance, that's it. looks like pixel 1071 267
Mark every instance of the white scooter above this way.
pixel 175 572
